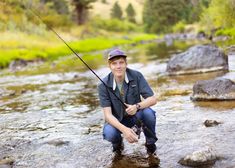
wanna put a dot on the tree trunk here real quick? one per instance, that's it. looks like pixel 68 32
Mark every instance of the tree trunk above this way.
pixel 81 14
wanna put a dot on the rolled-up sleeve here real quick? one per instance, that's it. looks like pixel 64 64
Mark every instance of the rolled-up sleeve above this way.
pixel 145 90
pixel 104 96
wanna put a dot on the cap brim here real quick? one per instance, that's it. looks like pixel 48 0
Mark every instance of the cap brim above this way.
pixel 116 56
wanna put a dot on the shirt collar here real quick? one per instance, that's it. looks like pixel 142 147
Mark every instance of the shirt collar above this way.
pixel 114 82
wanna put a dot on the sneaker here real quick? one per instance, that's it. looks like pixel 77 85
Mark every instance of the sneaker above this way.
pixel 151 148
pixel 118 147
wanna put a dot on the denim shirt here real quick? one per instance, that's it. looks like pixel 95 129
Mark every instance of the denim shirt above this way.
pixel 136 87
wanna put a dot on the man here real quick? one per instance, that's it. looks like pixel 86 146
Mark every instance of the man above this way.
pixel 128 85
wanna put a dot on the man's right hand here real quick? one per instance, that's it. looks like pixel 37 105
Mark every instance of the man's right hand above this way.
pixel 130 135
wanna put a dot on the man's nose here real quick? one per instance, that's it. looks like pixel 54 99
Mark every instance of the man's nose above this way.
pixel 118 65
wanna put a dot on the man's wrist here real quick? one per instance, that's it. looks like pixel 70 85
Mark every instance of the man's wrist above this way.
pixel 138 107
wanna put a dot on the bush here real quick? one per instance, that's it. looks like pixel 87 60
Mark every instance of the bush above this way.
pixel 179 27
pixel 227 32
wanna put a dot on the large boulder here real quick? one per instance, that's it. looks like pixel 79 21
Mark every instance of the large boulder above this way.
pixel 216 89
pixel 197 59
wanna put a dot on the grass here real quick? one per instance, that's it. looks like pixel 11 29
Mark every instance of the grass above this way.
pixel 18 45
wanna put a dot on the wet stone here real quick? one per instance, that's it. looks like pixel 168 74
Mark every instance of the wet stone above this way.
pixel 6 162
pixel 211 123
pixel 17 64
pixel 153 161
pixel 57 142
pixel 215 89
pixel 201 157
pixel 92 129
pixel 198 59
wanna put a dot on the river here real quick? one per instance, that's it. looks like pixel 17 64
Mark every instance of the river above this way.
pixel 53 119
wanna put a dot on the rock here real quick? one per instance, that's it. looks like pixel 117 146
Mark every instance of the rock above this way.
pixel 57 142
pixel 153 161
pixel 201 35
pixel 198 59
pixel 4 92
pixel 211 123
pixel 216 89
pixel 6 161
pixel 231 50
pixel 199 158
pixel 220 38
pixel 17 64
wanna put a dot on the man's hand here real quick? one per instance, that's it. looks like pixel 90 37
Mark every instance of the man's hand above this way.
pixel 131 109
pixel 130 135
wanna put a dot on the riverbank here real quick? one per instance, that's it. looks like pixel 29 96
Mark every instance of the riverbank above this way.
pixel 47 46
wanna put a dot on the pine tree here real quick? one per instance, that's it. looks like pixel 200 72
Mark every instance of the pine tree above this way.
pixel 116 11
pixel 130 13
pixel 81 9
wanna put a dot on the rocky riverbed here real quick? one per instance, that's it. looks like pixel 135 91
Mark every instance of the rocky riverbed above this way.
pixel 54 120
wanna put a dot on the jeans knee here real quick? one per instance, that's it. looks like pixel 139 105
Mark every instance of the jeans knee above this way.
pixel 149 115
pixel 111 134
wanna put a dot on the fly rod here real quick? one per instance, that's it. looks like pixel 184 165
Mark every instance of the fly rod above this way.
pixel 139 122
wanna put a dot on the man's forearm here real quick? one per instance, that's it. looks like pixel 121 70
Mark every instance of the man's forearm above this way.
pixel 150 101
pixel 113 120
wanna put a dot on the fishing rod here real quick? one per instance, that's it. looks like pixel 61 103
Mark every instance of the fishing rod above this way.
pixel 139 122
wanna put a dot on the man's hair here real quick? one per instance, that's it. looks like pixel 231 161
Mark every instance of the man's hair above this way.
pixel 116 58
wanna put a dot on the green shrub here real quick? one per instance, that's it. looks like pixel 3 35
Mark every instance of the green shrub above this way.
pixel 179 27
pixel 228 32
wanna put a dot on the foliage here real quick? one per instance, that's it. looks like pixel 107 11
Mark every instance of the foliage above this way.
pixel 160 15
pixel 116 11
pixel 60 6
pixel 17 15
pixel 195 10
pixel 228 32
pixel 179 27
pixel 219 14
pixel 130 13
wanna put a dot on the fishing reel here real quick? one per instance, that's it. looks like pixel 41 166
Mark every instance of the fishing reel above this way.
pixel 137 130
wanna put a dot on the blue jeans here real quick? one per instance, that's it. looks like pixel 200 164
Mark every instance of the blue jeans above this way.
pixel 147 116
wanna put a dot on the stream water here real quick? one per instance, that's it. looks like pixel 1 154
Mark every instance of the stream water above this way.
pixel 53 119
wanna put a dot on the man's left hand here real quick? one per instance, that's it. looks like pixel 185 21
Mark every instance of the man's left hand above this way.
pixel 131 109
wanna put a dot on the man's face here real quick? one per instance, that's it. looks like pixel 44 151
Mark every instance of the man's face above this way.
pixel 118 67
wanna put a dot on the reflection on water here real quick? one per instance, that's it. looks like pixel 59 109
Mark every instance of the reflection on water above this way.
pixel 65 106
pixel 217 106
pixel 162 50
pixel 193 78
